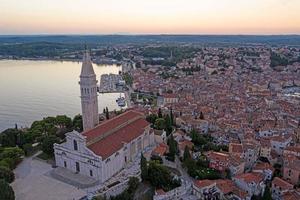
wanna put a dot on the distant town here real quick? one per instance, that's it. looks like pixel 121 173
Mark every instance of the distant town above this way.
pixel 203 120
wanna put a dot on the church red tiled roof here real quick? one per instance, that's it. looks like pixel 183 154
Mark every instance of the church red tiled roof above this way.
pixel 110 136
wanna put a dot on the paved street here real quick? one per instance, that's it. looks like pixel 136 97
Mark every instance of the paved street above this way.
pixel 33 183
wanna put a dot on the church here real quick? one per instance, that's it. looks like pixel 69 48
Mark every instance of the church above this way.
pixel 102 150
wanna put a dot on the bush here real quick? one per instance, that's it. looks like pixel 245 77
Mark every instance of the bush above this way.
pixel 6 191
pixel 47 144
pixel 6 174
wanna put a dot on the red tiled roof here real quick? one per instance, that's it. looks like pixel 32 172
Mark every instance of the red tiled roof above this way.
pixel 250 177
pixel 110 124
pixel 282 183
pixel 204 183
pixel 128 126
pixel 161 149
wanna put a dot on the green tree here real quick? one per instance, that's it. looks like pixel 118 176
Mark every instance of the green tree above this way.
pixel 11 156
pixel 8 138
pixel 160 123
pixel 77 123
pixel 47 144
pixel 151 118
pixel 6 174
pixel 28 149
pixel 6 191
pixel 267 194
pixel 107 113
pixel 168 124
pixel 172 148
pixel 160 177
pixel 144 168
pixel 63 121
pixel 159 114
pixel 133 184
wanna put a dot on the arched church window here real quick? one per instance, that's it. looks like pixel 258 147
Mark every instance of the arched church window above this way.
pixel 75 145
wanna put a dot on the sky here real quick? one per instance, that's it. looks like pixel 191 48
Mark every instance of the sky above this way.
pixel 149 17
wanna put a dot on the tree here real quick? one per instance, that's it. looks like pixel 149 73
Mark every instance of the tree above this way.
pixel 77 123
pixel 160 177
pixel 11 156
pixel 133 184
pixel 172 148
pixel 159 114
pixel 6 191
pixel 63 121
pixel 6 174
pixel 172 117
pixel 151 118
pixel 160 123
pixel 201 115
pixel 168 124
pixel 8 138
pixel 144 168
pixel 267 194
pixel 186 154
pixel 47 144
pixel 107 113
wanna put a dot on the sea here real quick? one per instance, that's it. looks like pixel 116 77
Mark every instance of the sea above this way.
pixel 31 90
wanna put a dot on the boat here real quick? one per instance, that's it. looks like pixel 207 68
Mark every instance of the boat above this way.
pixel 121 101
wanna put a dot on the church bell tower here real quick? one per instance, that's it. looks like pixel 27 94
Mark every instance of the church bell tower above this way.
pixel 88 91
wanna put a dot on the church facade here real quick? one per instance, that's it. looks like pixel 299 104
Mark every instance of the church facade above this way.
pixel 102 150
pixel 105 150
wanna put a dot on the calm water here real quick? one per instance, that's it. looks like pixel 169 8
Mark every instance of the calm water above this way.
pixel 31 90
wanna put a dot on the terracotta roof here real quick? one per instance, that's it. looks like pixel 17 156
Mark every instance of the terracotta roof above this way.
pixel 218 156
pixel 160 192
pixel 110 136
pixel 278 182
pixel 251 177
pixel 291 195
pixel 236 148
pixel 161 149
pixel 226 186
pixel 110 124
pixel 204 183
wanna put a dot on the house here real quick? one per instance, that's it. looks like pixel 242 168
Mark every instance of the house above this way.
pixel 250 154
pixel 279 143
pixel 160 150
pixel 291 169
pixel 236 165
pixel 279 188
pixel 206 190
pixel 264 168
pixel 218 161
pixel 252 183
pixel 160 136
pixel 265 149
pixel 170 98
pixel 218 189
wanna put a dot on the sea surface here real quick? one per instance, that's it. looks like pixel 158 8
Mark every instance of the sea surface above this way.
pixel 31 90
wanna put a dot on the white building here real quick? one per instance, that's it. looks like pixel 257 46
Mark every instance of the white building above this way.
pixel 106 149
pixel 88 91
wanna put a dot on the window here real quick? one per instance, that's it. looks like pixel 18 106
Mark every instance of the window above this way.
pixel 91 172
pixel 77 167
pixel 65 164
pixel 75 145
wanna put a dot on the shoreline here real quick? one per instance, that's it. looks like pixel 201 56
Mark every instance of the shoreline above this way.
pixel 58 60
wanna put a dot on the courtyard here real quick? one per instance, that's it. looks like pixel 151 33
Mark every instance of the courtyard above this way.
pixel 33 181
